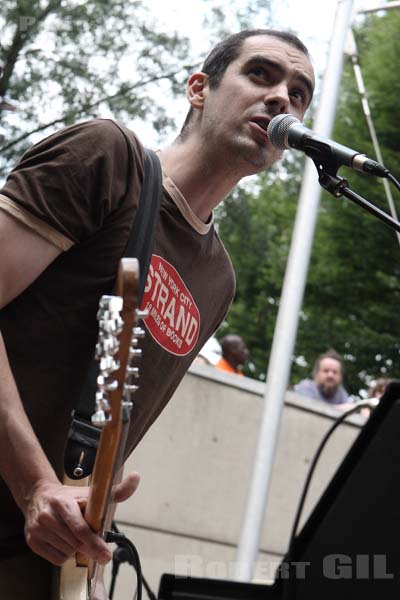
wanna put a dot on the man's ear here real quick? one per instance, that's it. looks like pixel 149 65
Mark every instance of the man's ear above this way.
pixel 196 90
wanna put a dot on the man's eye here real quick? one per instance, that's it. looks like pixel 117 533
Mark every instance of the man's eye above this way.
pixel 257 71
pixel 299 95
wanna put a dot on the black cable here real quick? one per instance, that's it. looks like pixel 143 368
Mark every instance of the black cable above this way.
pixel 150 593
pixel 393 179
pixel 114 573
pixel 121 540
pixel 358 406
pixel 120 555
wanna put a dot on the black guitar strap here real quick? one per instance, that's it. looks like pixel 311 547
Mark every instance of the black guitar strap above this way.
pixel 83 437
pixel 141 239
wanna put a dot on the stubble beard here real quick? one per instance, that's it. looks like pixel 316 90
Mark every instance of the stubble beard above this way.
pixel 328 389
pixel 258 156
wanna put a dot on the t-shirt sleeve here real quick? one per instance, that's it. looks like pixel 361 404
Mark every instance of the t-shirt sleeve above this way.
pixel 72 180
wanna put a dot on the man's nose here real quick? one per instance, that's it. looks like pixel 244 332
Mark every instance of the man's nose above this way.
pixel 277 100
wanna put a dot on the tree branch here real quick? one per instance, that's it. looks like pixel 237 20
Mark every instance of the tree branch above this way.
pixel 88 107
pixel 18 42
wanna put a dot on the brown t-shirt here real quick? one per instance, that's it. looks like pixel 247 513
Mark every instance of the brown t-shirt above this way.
pixel 79 189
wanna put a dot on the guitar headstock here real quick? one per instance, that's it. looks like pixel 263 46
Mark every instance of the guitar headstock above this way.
pixel 117 348
pixel 107 347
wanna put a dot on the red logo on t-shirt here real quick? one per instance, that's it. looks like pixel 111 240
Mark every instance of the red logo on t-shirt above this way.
pixel 174 319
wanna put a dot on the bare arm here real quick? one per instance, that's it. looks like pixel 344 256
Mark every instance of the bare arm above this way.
pixel 24 256
pixel 54 528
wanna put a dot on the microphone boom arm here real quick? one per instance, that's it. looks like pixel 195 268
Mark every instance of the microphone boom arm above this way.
pixel 338 187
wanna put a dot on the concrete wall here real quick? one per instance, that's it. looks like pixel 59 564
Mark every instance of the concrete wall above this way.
pixel 196 465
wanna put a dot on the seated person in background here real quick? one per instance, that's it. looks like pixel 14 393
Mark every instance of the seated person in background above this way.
pixel 234 354
pixel 327 380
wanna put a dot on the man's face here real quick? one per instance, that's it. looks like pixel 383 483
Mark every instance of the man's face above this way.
pixel 269 77
pixel 329 376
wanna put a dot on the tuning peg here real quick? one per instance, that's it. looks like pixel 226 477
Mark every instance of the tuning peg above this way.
pixel 99 418
pixel 119 325
pixel 112 326
pixel 132 371
pixel 141 314
pixel 107 345
pixel 130 388
pixel 108 365
pixel 106 386
pixel 111 303
pixel 100 314
pixel 106 326
pixel 138 332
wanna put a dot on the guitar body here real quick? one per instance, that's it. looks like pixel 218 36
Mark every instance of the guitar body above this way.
pixel 78 575
pixel 73 584
pixel 72 580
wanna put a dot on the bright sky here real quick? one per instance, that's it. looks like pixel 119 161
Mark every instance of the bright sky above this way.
pixel 311 20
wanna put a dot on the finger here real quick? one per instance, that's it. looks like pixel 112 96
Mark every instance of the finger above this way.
pixel 43 529
pixel 57 543
pixel 126 488
pixel 51 522
pixel 85 539
pixel 49 531
pixel 48 552
pixel 53 555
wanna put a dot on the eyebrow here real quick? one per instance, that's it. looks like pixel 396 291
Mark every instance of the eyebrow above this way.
pixel 267 62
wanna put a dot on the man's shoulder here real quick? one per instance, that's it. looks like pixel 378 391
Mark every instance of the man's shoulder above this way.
pixel 115 129
pixel 106 132
pixel 305 385
pixel 73 179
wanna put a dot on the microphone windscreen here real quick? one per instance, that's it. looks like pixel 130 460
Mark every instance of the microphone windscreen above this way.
pixel 278 130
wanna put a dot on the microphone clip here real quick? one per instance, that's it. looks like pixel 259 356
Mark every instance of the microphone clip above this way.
pixel 327 167
pixel 334 184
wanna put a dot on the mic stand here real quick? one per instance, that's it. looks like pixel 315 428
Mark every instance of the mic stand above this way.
pixel 338 186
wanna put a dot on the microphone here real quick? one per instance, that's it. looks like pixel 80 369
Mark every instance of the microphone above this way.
pixel 285 131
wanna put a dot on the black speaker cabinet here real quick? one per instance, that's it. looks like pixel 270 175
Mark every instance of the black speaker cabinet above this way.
pixel 349 547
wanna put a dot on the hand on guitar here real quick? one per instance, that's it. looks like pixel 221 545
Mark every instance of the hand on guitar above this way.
pixel 54 524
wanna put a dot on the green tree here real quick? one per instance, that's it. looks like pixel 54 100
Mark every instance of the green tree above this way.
pixel 353 289
pixel 353 286
pixel 255 224
pixel 64 61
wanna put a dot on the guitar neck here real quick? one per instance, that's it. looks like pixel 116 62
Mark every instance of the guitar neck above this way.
pixel 112 440
pixel 116 356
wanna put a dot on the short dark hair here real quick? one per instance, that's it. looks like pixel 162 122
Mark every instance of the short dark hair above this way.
pixel 328 354
pixel 228 50
pixel 229 341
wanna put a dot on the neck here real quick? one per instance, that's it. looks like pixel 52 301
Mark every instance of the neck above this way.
pixel 203 179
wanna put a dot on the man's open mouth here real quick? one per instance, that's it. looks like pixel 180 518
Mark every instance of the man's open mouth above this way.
pixel 263 123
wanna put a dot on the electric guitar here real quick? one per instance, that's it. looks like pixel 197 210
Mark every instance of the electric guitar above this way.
pixel 118 354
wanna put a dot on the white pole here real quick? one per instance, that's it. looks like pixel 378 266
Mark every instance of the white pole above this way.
pixel 290 305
